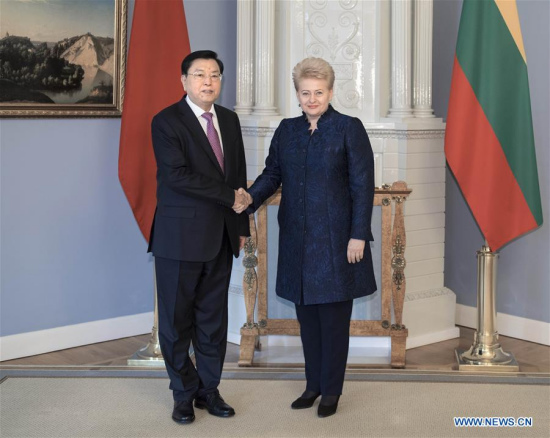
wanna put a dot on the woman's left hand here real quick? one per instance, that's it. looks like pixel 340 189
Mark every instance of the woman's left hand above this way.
pixel 356 248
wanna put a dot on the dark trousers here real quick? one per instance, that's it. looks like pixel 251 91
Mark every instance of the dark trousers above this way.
pixel 324 329
pixel 192 307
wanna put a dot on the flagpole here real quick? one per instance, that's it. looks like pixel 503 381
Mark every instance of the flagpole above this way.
pixel 486 353
pixel 150 355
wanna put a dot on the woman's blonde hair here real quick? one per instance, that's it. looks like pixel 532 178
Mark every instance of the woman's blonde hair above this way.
pixel 316 68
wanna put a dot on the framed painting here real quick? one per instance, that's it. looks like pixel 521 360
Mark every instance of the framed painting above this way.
pixel 62 58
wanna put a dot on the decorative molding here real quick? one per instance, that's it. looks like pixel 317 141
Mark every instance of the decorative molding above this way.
pixel 349 50
pixel 255 131
pixel 61 338
pixel 236 290
pixel 424 294
pixel 508 325
pixel 398 262
pixel 399 134
pixel 333 31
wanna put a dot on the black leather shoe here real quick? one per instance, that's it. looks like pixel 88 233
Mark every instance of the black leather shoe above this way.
pixel 328 406
pixel 183 412
pixel 215 405
pixel 305 401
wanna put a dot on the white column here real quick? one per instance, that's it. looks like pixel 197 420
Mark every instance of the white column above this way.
pixel 265 56
pixel 422 76
pixel 245 56
pixel 401 54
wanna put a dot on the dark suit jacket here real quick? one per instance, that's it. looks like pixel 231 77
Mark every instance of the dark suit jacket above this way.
pixel 327 196
pixel 194 196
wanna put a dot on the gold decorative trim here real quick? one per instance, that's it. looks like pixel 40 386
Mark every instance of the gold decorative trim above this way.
pixel 75 110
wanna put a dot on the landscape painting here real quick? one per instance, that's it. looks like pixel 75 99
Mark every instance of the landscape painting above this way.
pixel 62 58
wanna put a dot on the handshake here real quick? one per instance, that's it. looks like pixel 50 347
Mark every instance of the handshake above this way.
pixel 242 200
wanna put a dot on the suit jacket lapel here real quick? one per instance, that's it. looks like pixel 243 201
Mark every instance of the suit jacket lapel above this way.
pixel 228 138
pixel 190 120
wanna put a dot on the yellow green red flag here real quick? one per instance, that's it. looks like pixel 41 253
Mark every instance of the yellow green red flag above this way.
pixel 489 142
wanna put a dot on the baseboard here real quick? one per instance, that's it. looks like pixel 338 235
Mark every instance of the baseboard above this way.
pixel 508 325
pixel 60 338
pixel 430 338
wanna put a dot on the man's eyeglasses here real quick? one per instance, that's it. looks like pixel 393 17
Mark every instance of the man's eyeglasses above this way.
pixel 214 77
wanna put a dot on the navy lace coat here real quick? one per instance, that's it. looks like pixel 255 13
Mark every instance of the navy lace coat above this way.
pixel 327 192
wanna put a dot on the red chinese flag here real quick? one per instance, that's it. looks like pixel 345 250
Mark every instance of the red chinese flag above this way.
pixel 158 43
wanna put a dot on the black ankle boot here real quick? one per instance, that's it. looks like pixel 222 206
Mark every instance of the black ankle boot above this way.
pixel 328 405
pixel 306 400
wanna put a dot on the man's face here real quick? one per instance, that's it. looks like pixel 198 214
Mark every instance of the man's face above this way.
pixel 203 82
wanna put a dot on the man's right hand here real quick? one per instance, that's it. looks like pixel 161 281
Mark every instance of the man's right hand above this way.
pixel 242 201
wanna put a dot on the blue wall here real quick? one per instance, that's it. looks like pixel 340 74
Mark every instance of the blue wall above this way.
pixel 71 251
pixel 523 267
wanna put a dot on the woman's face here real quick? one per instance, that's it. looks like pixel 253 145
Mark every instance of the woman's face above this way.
pixel 314 96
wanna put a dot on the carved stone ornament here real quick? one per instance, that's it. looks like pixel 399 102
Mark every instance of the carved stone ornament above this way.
pixel 333 31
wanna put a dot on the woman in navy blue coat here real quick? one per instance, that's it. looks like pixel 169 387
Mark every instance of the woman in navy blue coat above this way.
pixel 324 161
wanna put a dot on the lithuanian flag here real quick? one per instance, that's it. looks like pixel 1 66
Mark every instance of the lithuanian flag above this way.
pixel 489 141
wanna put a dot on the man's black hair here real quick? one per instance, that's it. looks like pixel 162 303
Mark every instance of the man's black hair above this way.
pixel 200 54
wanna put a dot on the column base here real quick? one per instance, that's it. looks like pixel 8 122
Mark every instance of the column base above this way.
pixel 424 113
pixel 400 113
pixel 243 110
pixel 265 111
pixel 469 360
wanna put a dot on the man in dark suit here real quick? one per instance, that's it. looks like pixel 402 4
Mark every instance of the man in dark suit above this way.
pixel 196 232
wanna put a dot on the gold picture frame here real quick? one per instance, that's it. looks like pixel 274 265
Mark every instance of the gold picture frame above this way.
pixel 61 68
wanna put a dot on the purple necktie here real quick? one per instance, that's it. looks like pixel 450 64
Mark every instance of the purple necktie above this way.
pixel 214 139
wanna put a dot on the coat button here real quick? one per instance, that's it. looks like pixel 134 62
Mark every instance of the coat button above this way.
pixel 301 183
